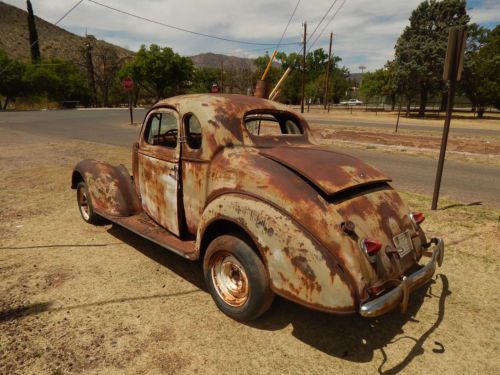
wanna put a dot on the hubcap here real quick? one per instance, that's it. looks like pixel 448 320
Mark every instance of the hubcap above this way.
pixel 83 203
pixel 229 278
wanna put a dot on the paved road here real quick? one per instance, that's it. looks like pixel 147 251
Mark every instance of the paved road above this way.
pixel 466 182
pixel 454 130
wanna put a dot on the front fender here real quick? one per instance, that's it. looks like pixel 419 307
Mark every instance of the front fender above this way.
pixel 110 187
pixel 299 267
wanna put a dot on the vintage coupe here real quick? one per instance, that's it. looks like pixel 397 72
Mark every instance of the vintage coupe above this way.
pixel 240 183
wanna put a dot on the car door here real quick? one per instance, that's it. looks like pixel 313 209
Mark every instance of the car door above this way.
pixel 158 161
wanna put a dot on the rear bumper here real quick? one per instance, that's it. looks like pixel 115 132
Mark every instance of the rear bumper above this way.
pixel 400 295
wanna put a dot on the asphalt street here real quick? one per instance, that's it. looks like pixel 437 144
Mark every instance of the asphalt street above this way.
pixel 465 182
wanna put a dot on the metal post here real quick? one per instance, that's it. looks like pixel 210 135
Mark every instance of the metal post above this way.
pixel 399 114
pixel 452 72
pixel 328 71
pixel 303 70
pixel 444 142
pixel 130 107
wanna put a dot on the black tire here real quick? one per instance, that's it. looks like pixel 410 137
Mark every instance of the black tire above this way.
pixel 240 303
pixel 85 207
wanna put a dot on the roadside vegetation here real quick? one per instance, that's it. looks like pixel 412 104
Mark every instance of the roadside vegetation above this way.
pixel 412 79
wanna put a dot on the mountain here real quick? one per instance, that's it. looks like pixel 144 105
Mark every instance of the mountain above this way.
pixel 57 42
pixel 54 41
pixel 213 60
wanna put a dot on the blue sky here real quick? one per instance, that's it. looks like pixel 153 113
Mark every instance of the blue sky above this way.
pixel 365 31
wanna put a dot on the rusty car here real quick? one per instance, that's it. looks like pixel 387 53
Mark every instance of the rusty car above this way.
pixel 240 184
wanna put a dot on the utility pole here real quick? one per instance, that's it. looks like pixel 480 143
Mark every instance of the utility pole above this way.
pixel 328 71
pixel 303 70
pixel 222 77
pixel 90 69
pixel 33 35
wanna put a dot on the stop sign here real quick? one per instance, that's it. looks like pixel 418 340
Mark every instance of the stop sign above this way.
pixel 128 84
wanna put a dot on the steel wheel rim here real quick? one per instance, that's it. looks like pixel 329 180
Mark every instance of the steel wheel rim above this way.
pixel 83 203
pixel 230 279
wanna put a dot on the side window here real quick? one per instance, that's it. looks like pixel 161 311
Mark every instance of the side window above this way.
pixel 193 131
pixel 292 127
pixel 168 130
pixel 162 130
pixel 153 128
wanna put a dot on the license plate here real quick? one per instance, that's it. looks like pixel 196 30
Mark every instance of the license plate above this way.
pixel 403 243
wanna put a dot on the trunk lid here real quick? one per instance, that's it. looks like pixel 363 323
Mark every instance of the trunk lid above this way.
pixel 331 172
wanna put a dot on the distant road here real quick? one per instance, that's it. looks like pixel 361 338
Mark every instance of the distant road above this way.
pixel 465 182
pixel 385 125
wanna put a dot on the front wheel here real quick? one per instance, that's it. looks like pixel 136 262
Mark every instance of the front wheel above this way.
pixel 85 205
pixel 236 278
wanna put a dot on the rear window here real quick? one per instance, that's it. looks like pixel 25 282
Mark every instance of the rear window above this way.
pixel 264 124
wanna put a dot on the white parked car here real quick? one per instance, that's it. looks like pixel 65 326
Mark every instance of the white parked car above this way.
pixel 352 102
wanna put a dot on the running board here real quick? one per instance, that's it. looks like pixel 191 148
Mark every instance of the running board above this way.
pixel 142 225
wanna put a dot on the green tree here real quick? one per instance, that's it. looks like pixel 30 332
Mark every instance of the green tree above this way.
pixel 12 79
pixel 380 84
pixel 160 71
pixel 57 80
pixel 203 79
pixel 421 48
pixel 481 75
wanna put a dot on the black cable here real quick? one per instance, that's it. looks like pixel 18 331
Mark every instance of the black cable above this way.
pixel 183 29
pixel 331 19
pixel 288 24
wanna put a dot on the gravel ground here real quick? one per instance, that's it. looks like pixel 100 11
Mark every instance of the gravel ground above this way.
pixel 76 298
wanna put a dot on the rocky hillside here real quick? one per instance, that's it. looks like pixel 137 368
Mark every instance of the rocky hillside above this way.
pixel 54 41
pixel 57 42
pixel 213 60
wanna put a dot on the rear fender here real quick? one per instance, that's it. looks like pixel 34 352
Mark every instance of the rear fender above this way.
pixel 299 267
pixel 110 187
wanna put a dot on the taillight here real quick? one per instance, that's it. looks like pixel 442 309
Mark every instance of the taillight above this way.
pixel 372 246
pixel 418 217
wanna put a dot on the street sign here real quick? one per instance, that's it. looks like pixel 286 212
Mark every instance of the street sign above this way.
pixel 128 84
pixel 454 62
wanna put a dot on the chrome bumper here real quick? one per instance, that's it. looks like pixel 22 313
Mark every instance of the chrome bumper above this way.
pixel 400 295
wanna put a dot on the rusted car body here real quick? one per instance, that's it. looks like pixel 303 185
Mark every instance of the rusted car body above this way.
pixel 332 233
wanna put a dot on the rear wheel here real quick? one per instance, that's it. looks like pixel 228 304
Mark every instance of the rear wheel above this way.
pixel 85 204
pixel 236 278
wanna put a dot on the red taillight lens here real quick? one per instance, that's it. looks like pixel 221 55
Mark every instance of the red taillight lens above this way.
pixel 372 246
pixel 418 217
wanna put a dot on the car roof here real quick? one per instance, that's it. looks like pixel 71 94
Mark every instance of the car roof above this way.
pixel 230 105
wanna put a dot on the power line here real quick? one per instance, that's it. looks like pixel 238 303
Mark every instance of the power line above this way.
pixel 320 22
pixel 183 29
pixel 68 12
pixel 288 24
pixel 331 19
pixel 59 20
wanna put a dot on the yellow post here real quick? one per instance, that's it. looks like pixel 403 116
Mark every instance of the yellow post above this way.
pixel 280 82
pixel 269 65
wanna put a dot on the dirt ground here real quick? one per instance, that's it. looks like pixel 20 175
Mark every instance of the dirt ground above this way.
pixel 490 121
pixel 76 298
pixel 478 149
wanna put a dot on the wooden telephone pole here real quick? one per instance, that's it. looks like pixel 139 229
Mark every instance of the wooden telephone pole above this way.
pixel 303 70
pixel 328 71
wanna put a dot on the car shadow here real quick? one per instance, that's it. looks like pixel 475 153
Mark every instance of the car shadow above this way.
pixel 187 269
pixel 348 337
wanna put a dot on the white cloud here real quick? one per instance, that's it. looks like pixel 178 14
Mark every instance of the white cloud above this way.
pixel 365 30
